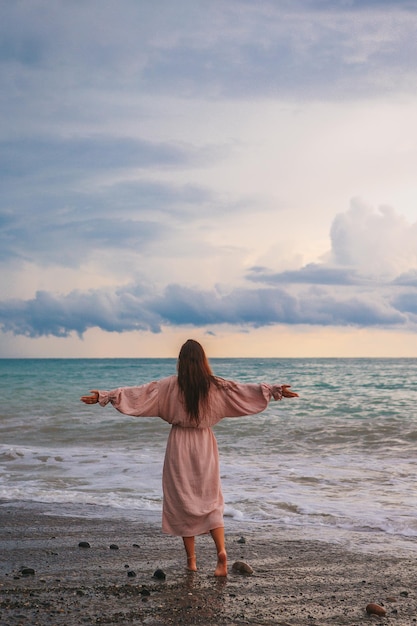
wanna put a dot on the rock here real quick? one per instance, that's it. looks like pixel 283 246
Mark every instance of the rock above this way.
pixel 27 571
pixel 375 609
pixel 159 574
pixel 404 594
pixel 84 544
pixel 241 540
pixel 145 591
pixel 114 546
pixel 242 568
pixel 135 545
pixel 131 573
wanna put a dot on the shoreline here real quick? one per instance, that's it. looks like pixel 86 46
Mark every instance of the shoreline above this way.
pixel 295 581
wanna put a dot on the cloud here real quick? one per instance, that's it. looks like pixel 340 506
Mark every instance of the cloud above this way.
pixel 378 242
pixel 369 248
pixel 67 227
pixel 218 50
pixel 407 279
pixel 407 303
pixel 315 49
pixel 135 308
pixel 156 151
pixel 67 231
pixel 77 158
pixel 59 316
pixel 336 294
pixel 65 199
pixel 311 274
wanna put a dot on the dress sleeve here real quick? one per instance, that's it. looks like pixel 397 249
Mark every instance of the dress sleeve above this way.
pixel 137 401
pixel 249 399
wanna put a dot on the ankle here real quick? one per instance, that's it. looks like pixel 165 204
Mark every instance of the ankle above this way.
pixel 191 563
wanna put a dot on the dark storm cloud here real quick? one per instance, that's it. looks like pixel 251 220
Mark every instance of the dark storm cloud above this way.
pixel 135 308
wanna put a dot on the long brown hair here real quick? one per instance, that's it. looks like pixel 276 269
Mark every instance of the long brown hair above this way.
pixel 194 377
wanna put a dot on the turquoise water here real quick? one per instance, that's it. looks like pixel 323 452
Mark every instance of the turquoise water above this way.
pixel 339 463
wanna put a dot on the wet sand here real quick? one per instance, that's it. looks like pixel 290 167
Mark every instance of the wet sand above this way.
pixel 294 582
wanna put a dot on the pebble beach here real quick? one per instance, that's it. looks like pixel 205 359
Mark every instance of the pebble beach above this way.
pixel 69 570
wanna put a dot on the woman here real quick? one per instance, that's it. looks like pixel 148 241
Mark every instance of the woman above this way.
pixel 192 402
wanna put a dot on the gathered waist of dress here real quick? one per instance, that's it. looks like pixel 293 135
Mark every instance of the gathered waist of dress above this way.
pixel 190 426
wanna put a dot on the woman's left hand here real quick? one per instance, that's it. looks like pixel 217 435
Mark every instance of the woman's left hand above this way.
pixel 93 399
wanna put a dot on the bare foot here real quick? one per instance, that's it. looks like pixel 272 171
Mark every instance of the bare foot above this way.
pixel 192 563
pixel 221 569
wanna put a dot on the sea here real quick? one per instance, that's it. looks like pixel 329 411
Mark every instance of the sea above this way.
pixel 338 464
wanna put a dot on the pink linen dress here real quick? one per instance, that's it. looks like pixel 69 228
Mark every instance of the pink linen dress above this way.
pixel 193 500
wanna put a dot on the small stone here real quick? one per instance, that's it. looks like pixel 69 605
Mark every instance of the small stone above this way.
pixel 145 592
pixel 27 571
pixel 392 599
pixel 84 544
pixel 241 540
pixel 375 609
pixel 242 568
pixel 131 573
pixel 404 594
pixel 114 546
pixel 159 574
pixel 135 545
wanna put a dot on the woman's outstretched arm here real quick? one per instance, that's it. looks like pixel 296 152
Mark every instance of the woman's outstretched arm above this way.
pixel 141 401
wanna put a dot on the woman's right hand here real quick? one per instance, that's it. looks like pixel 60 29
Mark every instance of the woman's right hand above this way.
pixel 287 393
pixel 93 399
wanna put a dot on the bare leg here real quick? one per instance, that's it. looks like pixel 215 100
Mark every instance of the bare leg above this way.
pixel 218 538
pixel 189 545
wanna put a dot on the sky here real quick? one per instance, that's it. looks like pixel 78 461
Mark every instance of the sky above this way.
pixel 238 172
